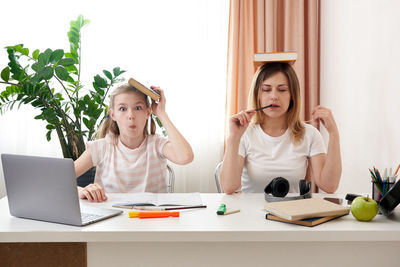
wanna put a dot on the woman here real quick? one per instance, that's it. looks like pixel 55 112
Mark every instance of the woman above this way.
pixel 273 142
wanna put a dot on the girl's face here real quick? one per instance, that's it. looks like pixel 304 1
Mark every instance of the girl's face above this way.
pixel 130 113
pixel 275 91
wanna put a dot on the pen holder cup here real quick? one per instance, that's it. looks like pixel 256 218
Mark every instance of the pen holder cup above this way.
pixel 379 189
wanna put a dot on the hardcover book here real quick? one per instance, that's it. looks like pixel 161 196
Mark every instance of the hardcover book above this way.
pixel 294 210
pixel 310 222
pixel 262 58
pixel 145 90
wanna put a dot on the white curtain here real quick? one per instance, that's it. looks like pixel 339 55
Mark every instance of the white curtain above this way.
pixel 179 45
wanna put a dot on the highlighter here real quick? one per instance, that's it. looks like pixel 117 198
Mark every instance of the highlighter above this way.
pixel 221 210
pixel 140 214
pixel 158 214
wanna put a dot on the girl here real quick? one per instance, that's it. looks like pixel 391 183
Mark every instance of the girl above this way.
pixel 277 143
pixel 127 158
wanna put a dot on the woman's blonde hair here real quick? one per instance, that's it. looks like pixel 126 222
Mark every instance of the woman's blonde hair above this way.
pixel 293 113
pixel 109 125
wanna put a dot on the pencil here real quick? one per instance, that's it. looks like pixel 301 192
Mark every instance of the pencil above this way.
pixel 396 170
pixel 170 208
pixel 257 109
pixel 231 212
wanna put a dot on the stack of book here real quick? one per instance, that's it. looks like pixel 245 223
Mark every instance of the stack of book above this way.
pixel 307 212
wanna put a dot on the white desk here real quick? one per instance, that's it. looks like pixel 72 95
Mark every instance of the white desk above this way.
pixel 202 238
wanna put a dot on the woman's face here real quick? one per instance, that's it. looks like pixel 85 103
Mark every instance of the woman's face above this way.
pixel 275 91
pixel 130 113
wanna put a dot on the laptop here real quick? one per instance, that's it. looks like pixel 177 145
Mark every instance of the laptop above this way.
pixel 42 188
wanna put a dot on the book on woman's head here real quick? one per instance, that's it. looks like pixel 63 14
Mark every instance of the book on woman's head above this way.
pixel 145 90
pixel 262 58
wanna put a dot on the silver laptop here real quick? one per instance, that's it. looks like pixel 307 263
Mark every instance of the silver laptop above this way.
pixel 45 189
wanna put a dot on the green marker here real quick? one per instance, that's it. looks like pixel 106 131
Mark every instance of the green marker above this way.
pixel 221 210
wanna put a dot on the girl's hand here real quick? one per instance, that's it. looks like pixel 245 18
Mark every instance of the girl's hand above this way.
pixel 324 115
pixel 92 192
pixel 238 123
pixel 158 108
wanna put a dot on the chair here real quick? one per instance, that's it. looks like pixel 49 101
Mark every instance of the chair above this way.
pixel 216 176
pixel 171 180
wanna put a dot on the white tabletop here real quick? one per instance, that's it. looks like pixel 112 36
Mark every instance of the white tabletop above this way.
pixel 199 225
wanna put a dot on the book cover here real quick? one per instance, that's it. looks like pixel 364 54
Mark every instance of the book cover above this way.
pixel 310 222
pixel 145 90
pixel 262 58
pixel 293 210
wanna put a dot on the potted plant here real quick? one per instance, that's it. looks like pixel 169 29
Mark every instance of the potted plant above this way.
pixel 50 82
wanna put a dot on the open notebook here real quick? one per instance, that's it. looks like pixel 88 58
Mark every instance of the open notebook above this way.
pixel 161 199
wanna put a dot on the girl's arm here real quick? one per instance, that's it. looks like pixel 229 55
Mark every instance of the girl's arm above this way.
pixel 177 149
pixel 327 168
pixel 92 192
pixel 232 167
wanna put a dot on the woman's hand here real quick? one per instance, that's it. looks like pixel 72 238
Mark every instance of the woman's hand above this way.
pixel 158 108
pixel 238 123
pixel 92 192
pixel 325 116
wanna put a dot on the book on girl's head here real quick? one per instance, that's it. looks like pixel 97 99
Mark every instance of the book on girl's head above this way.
pixel 294 210
pixel 145 90
pixel 310 222
pixel 289 57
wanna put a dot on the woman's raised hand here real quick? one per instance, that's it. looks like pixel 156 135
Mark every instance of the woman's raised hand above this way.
pixel 324 115
pixel 238 123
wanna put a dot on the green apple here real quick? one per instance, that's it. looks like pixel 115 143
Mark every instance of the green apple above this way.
pixel 364 208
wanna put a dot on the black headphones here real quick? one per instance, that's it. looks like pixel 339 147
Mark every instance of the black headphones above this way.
pixel 278 188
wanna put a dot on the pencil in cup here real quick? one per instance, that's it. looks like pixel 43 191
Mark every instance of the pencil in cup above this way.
pixel 379 189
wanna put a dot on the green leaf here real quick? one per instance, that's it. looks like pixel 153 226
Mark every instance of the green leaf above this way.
pixel 62 73
pixel 46 73
pixel 108 74
pixel 5 74
pixel 18 48
pixel 56 55
pixel 66 62
pixel 45 56
pixel 50 127
pixel 35 54
pixel 25 51
pixel 48 135
pixel 116 71
pixel 86 122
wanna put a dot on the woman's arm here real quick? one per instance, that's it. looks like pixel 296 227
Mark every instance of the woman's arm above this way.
pixel 327 168
pixel 177 149
pixel 232 167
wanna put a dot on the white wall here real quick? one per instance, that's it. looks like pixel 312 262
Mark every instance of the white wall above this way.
pixel 360 56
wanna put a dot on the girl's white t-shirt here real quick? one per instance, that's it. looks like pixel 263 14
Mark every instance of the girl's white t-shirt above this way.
pixel 268 157
pixel 120 169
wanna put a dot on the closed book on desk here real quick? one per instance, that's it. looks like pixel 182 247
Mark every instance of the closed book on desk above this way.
pixel 145 90
pixel 310 222
pixel 305 208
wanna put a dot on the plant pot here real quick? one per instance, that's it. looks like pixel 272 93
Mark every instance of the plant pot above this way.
pixel 86 178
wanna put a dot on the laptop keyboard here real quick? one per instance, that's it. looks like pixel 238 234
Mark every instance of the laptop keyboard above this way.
pixel 87 217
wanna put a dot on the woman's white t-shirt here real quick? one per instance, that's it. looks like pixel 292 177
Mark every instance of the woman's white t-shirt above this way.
pixel 268 157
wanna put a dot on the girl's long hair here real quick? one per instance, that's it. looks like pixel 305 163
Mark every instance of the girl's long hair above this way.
pixel 293 113
pixel 109 125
